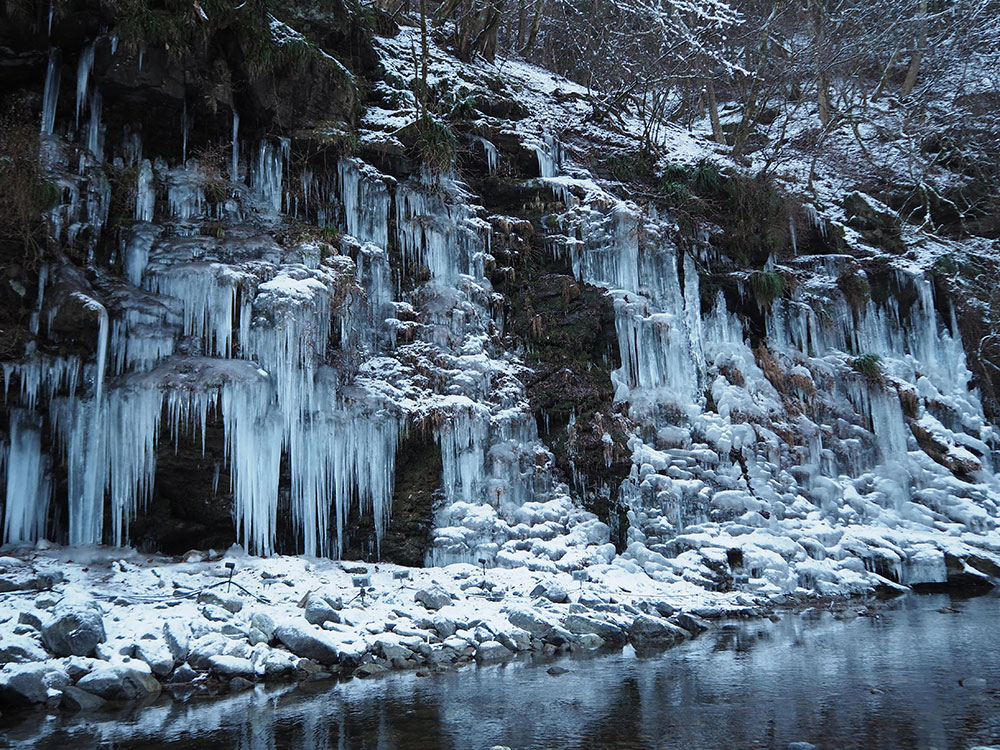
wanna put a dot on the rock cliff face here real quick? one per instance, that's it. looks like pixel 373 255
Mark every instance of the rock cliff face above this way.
pixel 250 311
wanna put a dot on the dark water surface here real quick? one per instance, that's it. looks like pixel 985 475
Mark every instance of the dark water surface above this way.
pixel 890 681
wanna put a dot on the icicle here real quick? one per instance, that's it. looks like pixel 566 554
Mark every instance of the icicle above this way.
pixel 28 485
pixel 50 98
pixel 134 422
pixel 493 155
pixel 43 279
pixel 145 194
pixel 185 127
pixel 269 173
pixel 235 164
pixel 208 293
pixel 94 134
pixel 83 69
pixel 253 444
pixel 549 156
pixel 366 202
pixel 83 431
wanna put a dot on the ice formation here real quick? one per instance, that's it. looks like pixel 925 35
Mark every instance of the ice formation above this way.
pixel 317 357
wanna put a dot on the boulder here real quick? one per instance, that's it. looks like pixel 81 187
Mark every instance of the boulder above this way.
pixel 17 575
pixel 184 673
pixel 231 666
pixel 370 670
pixel 582 625
pixel 264 623
pixel 444 626
pixel 559 636
pixel 691 623
pixel 530 620
pixel 492 651
pixel 390 649
pixel 230 602
pixel 318 645
pixel 157 655
pixel 74 630
pixel 177 637
pixel 550 590
pixel 201 650
pixel 78 666
pixel 515 640
pixel 214 613
pixel 318 611
pixel 20 649
pixel 26 684
pixel 31 619
pixel 275 662
pixel 653 631
pixel 239 684
pixel 75 699
pixel 433 598
pixel 121 682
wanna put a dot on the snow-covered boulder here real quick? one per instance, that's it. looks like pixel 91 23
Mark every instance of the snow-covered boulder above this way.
pixel 20 649
pixel 311 643
pixel 26 684
pixel 652 631
pixel 550 590
pixel 433 597
pixel 492 651
pixel 121 682
pixel 318 611
pixel 156 653
pixel 75 629
pixel 583 625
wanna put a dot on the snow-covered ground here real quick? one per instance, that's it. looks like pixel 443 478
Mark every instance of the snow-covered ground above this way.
pixel 106 620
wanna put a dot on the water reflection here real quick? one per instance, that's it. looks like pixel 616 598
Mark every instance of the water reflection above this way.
pixel 890 681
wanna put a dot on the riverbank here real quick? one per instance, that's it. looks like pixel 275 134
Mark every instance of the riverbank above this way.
pixel 902 674
pixel 85 627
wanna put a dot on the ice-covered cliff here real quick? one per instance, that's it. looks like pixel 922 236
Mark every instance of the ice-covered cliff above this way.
pixel 517 360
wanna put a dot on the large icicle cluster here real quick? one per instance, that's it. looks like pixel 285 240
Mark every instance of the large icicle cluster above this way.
pixel 784 451
pixel 201 327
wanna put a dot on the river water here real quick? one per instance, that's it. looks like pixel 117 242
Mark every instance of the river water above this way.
pixel 890 679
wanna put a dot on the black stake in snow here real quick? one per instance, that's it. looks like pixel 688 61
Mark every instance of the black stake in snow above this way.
pixel 232 567
pixel 362 582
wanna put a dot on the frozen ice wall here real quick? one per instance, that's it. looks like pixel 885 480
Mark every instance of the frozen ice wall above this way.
pixel 787 436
